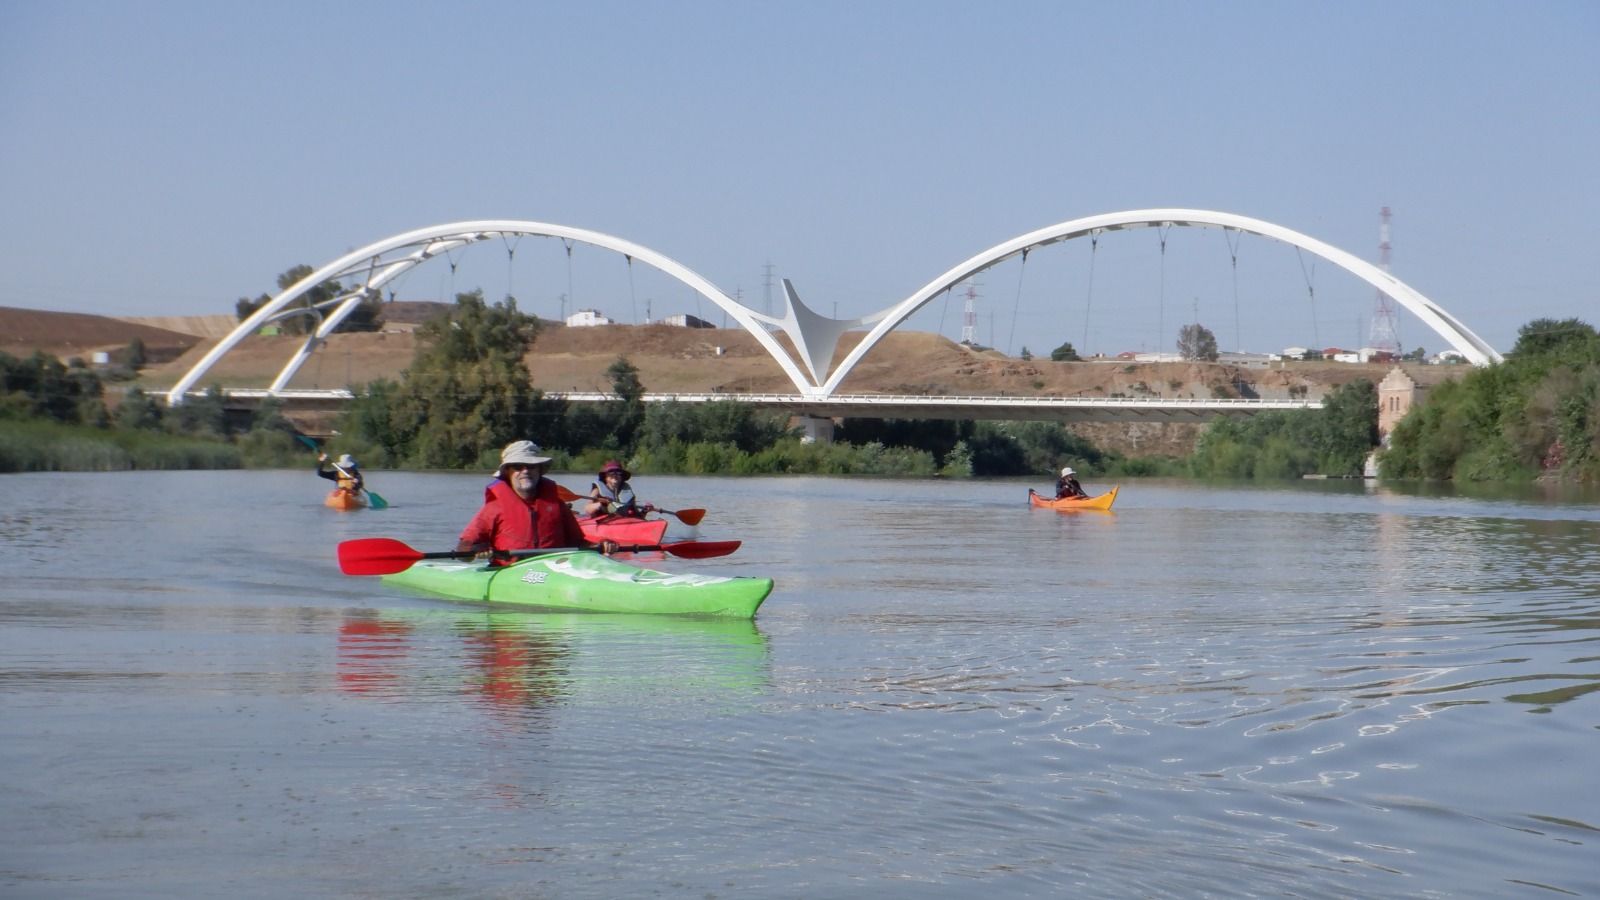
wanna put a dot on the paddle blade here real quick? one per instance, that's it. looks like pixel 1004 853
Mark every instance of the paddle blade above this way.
pixel 700 549
pixel 376 502
pixel 567 496
pixel 688 516
pixel 307 441
pixel 376 556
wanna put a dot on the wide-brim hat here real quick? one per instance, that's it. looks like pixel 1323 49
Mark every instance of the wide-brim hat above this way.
pixel 346 461
pixel 614 466
pixel 523 452
pixel 1067 471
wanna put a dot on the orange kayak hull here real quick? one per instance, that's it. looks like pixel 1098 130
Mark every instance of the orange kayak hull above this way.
pixel 339 498
pixel 1102 502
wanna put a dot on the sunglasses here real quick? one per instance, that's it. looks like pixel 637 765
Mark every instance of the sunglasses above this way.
pixel 522 467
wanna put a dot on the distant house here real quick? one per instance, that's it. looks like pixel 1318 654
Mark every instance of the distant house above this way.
pixel 588 318
pixel 1398 392
pixel 1295 352
pixel 1246 360
pixel 686 321
pixel 1447 357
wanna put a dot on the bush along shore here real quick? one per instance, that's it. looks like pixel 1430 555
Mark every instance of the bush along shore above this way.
pixel 467 394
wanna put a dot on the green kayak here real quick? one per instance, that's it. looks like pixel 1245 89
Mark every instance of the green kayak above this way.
pixel 584 580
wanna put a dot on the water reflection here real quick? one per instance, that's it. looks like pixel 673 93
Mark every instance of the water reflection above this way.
pixel 517 664
pixel 1324 690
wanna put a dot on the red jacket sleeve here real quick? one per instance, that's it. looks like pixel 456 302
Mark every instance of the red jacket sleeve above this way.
pixel 569 524
pixel 482 528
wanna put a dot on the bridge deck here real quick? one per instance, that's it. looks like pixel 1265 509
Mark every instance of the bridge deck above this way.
pixel 896 406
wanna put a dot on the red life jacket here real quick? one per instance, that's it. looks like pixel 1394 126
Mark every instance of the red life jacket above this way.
pixel 528 524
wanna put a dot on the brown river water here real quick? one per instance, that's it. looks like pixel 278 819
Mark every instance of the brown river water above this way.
pixel 1319 689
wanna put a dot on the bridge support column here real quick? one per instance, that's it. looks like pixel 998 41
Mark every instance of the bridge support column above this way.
pixel 815 430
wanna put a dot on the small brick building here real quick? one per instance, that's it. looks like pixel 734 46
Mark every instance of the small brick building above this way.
pixel 1397 393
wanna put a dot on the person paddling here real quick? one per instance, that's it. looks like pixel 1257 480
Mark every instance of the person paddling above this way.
pixel 523 510
pixel 344 471
pixel 613 492
pixel 1067 485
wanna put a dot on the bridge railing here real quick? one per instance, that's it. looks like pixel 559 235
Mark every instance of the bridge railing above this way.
pixel 857 400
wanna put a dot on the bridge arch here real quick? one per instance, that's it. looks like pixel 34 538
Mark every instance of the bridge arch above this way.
pixel 814 336
pixel 380 262
pixel 1474 348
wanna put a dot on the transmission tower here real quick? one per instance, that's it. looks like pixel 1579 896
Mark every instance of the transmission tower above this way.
pixel 1383 334
pixel 969 316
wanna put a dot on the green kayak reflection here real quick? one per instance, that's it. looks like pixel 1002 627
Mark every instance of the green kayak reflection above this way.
pixel 526 661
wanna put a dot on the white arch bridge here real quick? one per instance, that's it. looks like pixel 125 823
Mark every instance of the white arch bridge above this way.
pixel 813 335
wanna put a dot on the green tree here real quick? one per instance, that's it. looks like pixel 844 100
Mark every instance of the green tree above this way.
pixel 1536 414
pixel 41 387
pixel 1334 440
pixel 310 306
pixel 1196 341
pixel 138 411
pixel 1064 353
pixel 724 422
pixel 628 414
pixel 203 416
pixel 1548 336
pixel 467 389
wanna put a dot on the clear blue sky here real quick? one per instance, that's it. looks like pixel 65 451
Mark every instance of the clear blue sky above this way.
pixel 165 158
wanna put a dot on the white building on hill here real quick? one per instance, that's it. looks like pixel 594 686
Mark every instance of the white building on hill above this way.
pixel 588 318
pixel 684 320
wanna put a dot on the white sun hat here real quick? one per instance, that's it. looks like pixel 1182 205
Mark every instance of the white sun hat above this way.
pixel 526 452
pixel 1067 471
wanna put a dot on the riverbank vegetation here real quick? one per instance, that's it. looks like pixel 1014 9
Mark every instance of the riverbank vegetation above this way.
pixel 1333 441
pixel 54 418
pixel 467 394
pixel 1537 415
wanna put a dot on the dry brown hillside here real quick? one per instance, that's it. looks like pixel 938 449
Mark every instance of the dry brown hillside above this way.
pixel 671 359
pixel 65 335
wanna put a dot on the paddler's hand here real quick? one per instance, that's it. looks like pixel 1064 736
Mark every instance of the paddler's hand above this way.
pixel 322 457
pixel 607 547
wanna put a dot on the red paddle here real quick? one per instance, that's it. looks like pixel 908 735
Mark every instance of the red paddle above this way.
pixel 386 556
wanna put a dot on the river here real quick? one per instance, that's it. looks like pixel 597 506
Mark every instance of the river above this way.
pixel 1320 689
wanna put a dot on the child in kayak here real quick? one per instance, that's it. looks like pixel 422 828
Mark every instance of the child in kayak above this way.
pixel 613 493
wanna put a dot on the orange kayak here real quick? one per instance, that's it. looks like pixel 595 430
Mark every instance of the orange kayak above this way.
pixel 339 498
pixel 1103 501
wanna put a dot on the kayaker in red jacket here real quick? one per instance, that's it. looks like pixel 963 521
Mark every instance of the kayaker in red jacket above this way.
pixel 522 510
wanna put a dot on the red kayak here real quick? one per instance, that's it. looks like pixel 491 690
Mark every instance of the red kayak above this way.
pixel 623 529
